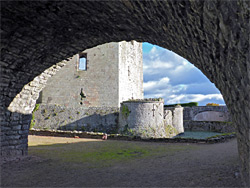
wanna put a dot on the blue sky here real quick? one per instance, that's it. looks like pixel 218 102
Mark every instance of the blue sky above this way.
pixel 168 75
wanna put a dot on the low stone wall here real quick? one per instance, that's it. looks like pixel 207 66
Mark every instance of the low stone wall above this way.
pixel 54 117
pixel 214 126
pixel 80 134
pixel 201 113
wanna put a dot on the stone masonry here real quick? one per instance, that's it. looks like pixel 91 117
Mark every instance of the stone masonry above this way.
pixel 25 101
pixel 213 35
pixel 206 113
pixel 114 73
pixel 177 117
pixel 208 118
pixel 211 126
pixel 148 119
pixel 59 117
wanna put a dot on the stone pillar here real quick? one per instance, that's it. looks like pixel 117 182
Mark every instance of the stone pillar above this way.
pixel 177 117
pixel 14 134
pixel 241 121
pixel 143 118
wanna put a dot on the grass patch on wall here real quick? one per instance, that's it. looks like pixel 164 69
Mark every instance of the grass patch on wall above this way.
pixel 170 130
pixel 125 111
pixel 32 123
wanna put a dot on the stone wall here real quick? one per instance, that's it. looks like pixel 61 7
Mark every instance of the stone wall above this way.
pixel 145 118
pixel 102 74
pixel 130 71
pixel 25 101
pixel 113 74
pixel 213 35
pixel 14 136
pixel 177 117
pixel 56 117
pixel 206 113
pixel 15 122
pixel 214 126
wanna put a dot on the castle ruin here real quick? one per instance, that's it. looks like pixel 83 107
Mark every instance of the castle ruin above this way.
pixel 87 92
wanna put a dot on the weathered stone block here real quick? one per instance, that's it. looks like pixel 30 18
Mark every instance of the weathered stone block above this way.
pixel 18 127
pixel 12 137
pixel 23 132
pixel 8 133
pixel 25 127
pixel 4 128
pixel 22 146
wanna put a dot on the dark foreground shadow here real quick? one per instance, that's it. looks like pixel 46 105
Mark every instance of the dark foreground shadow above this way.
pixel 69 162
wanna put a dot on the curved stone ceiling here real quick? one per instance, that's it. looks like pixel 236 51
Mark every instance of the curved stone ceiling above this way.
pixel 213 35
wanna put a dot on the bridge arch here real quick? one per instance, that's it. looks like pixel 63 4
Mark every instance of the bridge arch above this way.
pixel 213 35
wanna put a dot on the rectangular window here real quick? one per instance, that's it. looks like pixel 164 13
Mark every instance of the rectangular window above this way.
pixel 82 62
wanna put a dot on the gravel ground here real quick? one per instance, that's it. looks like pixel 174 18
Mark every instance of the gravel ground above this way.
pixel 69 162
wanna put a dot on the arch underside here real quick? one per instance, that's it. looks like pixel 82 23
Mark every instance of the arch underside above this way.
pixel 213 35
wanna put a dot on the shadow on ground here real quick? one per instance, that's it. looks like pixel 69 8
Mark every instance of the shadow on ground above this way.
pixel 69 162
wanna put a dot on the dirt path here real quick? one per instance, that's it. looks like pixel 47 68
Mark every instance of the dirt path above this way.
pixel 67 162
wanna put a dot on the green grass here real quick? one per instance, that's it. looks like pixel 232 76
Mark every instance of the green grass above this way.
pixel 222 134
pixel 101 154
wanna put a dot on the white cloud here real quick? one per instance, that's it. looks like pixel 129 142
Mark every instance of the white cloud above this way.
pixel 159 60
pixel 153 50
pixel 173 99
pixel 173 78
pixel 155 84
pixel 154 66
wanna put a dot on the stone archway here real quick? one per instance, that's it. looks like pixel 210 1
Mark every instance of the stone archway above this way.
pixel 213 35
pixel 211 116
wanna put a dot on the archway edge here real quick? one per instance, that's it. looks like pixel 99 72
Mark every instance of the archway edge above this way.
pixel 62 39
pixel 213 35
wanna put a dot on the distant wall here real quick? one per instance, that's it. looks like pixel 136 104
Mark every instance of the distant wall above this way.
pixel 211 116
pixel 103 119
pixel 214 126
pixel 206 113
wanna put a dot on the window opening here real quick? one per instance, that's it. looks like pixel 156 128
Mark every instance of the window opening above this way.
pixel 82 62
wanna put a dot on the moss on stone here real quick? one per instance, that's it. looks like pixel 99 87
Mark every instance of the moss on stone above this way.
pixel 170 130
pixel 125 111
pixel 33 122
